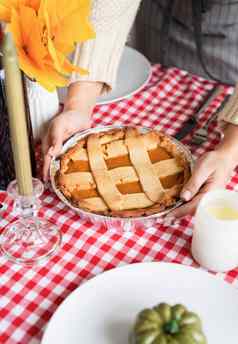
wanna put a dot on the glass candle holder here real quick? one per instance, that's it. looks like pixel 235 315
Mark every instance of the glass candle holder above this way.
pixel 215 237
pixel 30 238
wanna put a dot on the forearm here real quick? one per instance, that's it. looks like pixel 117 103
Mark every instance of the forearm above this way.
pixel 228 148
pixel 112 20
pixel 82 96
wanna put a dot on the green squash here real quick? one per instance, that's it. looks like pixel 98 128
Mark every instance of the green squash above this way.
pixel 165 324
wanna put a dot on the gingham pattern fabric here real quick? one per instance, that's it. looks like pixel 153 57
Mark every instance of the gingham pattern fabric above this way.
pixel 29 296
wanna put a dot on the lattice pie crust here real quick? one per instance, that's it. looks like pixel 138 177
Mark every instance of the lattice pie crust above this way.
pixel 123 173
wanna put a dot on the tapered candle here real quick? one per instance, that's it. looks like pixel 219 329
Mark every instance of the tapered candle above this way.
pixel 17 116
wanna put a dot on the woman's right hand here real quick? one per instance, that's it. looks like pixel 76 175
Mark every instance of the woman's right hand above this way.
pixel 78 107
pixel 60 129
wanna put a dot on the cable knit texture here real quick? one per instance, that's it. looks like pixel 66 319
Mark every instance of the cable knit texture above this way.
pixel 112 20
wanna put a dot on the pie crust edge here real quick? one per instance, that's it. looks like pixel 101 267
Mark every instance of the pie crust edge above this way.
pixel 169 198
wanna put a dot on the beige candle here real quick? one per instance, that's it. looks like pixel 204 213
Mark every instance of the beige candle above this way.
pixel 17 117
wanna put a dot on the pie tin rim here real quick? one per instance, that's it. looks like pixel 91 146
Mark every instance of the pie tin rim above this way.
pixel 54 167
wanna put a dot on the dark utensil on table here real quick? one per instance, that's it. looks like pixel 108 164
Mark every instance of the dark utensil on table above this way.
pixel 192 122
pixel 201 135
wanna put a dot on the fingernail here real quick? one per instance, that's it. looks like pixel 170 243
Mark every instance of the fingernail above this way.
pixel 186 195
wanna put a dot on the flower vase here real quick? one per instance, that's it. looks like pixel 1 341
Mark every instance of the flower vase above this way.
pixel 43 106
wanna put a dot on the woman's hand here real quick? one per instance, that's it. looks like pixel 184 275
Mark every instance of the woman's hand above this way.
pixel 60 129
pixel 76 116
pixel 211 172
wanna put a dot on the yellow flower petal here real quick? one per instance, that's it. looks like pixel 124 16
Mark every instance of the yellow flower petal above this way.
pixel 69 67
pixel 15 28
pixel 48 78
pixel 65 67
pixel 28 40
pixel 5 13
pixel 32 38
pixel 60 62
pixel 33 4
pixel 67 22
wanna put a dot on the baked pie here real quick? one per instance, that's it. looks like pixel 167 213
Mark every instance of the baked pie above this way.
pixel 123 172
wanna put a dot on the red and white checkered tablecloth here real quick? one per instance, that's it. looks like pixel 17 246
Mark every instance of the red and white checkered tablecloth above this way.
pixel 29 296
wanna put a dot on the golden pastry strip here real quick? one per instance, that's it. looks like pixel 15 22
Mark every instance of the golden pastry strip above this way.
pixel 141 162
pixel 128 174
pixel 88 191
pixel 162 167
pixel 105 184
pixel 110 136
pixel 129 188
pixel 80 154
pixel 155 155
pixel 124 175
pixel 130 201
pixel 79 180
pixel 113 149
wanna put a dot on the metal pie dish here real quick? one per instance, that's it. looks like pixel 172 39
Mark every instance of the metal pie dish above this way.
pixel 125 223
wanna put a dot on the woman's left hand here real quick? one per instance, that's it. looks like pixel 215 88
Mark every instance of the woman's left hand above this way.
pixel 212 171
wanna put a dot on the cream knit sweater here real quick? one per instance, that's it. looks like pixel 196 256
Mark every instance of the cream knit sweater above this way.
pixel 112 20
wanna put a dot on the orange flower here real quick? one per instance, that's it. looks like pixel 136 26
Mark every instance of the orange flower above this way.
pixel 7 5
pixel 44 33
pixel 66 22
pixel 32 53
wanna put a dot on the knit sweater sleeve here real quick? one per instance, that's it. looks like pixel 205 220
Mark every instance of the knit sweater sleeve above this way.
pixel 112 20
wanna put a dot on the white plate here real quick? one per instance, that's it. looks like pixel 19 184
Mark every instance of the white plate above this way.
pixel 133 73
pixel 102 310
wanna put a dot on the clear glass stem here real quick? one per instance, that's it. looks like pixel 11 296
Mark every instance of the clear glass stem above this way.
pixel 30 238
